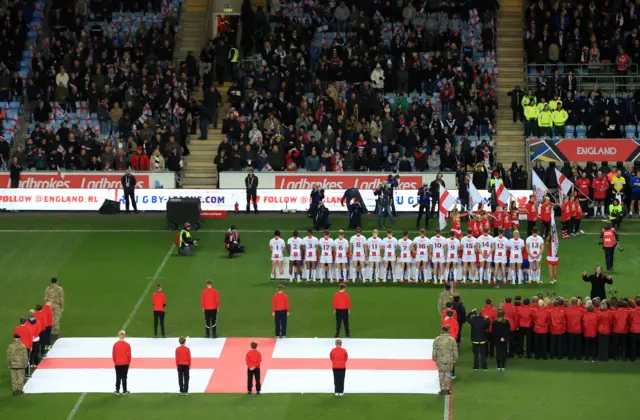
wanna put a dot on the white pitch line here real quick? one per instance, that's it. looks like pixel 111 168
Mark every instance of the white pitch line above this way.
pixel 446 407
pixel 152 280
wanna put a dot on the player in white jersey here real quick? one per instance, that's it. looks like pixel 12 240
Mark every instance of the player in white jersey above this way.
pixel 501 246
pixel 516 246
pixel 390 245
pixel 295 256
pixel 276 245
pixel 404 245
pixel 374 250
pixel 421 252
pixel 485 248
pixel 326 246
pixel 453 256
pixel 468 244
pixel 438 256
pixel 310 255
pixel 342 261
pixel 534 246
pixel 357 251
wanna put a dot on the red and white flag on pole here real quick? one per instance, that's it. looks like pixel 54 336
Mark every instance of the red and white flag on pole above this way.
pixel 539 189
pixel 564 185
pixel 60 174
pixel 555 243
pixel 447 202
pixel 502 193
pixel 474 197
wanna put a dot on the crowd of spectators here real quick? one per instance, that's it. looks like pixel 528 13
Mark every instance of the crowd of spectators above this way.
pixel 388 86
pixel 104 91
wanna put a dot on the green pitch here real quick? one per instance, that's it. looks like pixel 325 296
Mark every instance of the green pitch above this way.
pixel 105 267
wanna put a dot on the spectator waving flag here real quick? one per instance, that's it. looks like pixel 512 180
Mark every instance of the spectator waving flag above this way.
pixel 60 174
pixel 555 243
pixel 539 189
pixel 564 185
pixel 502 193
pixel 474 197
pixel 447 202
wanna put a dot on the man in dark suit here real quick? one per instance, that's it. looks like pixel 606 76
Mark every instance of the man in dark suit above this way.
pixel 597 280
pixel 251 184
pixel 570 84
pixel 128 182
pixel 516 103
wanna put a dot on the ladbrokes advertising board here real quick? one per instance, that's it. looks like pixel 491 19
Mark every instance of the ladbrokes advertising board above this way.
pixel 91 180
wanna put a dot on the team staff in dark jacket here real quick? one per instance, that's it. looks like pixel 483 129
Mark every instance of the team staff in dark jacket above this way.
pixel 436 186
pixel 461 313
pixel 501 329
pixel 251 184
pixel 597 280
pixel 479 326
pixel 423 203
pixel 128 182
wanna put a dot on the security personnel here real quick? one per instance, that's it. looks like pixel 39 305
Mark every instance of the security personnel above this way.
pixel 553 104
pixel 159 302
pixel 445 354
pixel 187 243
pixel 544 122
pixel 531 120
pixel 17 359
pixel 559 117
pixel 610 239
pixel 479 326
pixel 234 55
pixel 280 311
pixel 56 294
pixel 210 302
pixel 616 212
pixel 342 309
pixel 423 202
pixel 540 105
pixel 251 185
pixel 183 364
pixel 528 100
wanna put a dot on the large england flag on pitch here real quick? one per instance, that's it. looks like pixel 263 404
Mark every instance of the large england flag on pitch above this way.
pixel 291 365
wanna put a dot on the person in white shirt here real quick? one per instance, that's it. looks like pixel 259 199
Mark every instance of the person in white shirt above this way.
pixel 501 245
pixel 326 245
pixel 276 245
pixel 295 257
pixel 357 251
pixel 421 252
pixel 453 256
pixel 516 245
pixel 468 244
pixel 390 245
pixel 310 256
pixel 374 250
pixel 342 261
pixel 404 245
pixel 485 249
pixel 438 256
pixel 534 246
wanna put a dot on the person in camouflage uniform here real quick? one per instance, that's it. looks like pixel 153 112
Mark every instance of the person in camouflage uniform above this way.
pixel 445 354
pixel 17 358
pixel 56 294
pixel 446 296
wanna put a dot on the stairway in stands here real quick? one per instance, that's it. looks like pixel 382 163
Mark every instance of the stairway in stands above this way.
pixel 509 142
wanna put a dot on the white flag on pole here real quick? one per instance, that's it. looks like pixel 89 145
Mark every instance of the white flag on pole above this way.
pixel 447 202
pixel 539 189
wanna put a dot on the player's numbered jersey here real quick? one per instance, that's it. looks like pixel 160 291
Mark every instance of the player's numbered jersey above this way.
pixel 358 242
pixel 375 247
pixel 277 247
pixel 326 247
pixel 342 247
pixel 453 245
pixel 516 246
pixel 502 245
pixel 295 248
pixel 535 244
pixel 404 245
pixel 438 247
pixel 468 244
pixel 310 246
pixel 390 245
pixel 485 242
pixel 421 244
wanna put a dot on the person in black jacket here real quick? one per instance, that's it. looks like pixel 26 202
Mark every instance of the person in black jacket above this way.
pixel 516 103
pixel 461 312
pixel 597 280
pixel 251 184
pixel 500 330
pixel 128 182
pixel 437 185
pixel 479 325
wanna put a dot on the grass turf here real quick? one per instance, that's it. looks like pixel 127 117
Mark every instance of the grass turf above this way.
pixel 105 273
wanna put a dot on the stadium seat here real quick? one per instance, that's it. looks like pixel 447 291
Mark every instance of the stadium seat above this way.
pixel 581 131
pixel 569 131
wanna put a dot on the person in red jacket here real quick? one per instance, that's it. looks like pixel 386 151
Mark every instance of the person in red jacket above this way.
pixel 567 214
pixel 342 309
pixel 140 161
pixel 451 321
pixel 48 323
pixel 42 338
pixel 25 338
pixel 577 215
pixel 159 302
pixel 546 212
pixel 605 324
pixel 532 214
pixel 574 315
pixel 183 364
pixel 253 359
pixel 497 220
pixel 620 332
pixel 511 314
pixel 489 312
pixel 35 327
pixel 590 332
pixel 541 322
pixel 121 356
pixel 339 357
pixel 634 331
pixel 599 185
pixel 210 301
pixel 558 330
pixel 583 187
pixel 280 311
pixel 525 330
